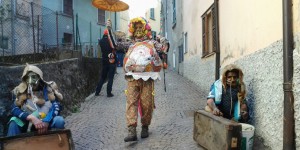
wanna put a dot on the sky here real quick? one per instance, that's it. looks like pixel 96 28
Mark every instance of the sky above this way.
pixel 138 8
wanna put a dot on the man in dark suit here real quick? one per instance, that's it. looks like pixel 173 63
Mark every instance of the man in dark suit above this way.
pixel 108 61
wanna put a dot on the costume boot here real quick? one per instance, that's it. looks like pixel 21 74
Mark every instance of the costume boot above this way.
pixel 131 134
pixel 144 133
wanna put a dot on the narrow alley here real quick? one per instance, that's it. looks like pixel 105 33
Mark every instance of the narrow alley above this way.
pixel 100 124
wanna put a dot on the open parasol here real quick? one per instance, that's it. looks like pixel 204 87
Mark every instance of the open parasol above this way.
pixel 110 5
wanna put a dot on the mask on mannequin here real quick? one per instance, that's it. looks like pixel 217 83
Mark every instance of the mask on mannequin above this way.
pixel 139 30
pixel 231 79
pixel 32 79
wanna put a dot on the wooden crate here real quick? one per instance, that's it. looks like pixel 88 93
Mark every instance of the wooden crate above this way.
pixel 53 140
pixel 216 133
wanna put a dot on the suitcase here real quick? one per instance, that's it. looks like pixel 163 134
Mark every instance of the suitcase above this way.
pixel 52 140
pixel 216 133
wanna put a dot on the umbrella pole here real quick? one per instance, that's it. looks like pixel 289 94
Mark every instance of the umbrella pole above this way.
pixel 109 15
pixel 115 21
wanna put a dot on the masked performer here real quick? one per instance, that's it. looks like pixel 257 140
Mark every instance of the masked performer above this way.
pixel 227 96
pixel 142 65
pixel 35 102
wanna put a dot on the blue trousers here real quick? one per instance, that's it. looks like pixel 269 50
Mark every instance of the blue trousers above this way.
pixel 57 122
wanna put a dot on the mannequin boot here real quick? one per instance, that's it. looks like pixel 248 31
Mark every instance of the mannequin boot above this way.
pixel 144 133
pixel 131 134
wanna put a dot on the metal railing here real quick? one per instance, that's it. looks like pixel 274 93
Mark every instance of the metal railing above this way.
pixel 29 29
pixel 91 50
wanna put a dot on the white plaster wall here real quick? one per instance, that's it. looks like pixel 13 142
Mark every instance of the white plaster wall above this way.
pixel 296 16
pixel 124 21
pixel 192 24
pixel 296 89
pixel 263 75
pixel 199 70
pixel 247 26
pixel 155 24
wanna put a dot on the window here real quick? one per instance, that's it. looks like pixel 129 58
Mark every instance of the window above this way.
pixel 153 33
pixel 67 38
pixel 209 44
pixel 22 10
pixel 68 7
pixel 185 43
pixel 181 56
pixel 67 41
pixel 101 17
pixel 4 42
pixel 174 11
pixel 152 14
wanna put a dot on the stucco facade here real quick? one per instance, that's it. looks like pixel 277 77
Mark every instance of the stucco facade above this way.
pixel 89 29
pixel 173 30
pixel 124 21
pixel 154 22
pixel 196 68
pixel 244 31
pixel 250 36
pixel 16 26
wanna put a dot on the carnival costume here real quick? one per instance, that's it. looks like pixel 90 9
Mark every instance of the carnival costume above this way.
pixel 142 65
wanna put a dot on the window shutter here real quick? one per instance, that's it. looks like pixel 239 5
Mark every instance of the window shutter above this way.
pixel 214 31
pixel 101 17
pixel 68 9
pixel 204 36
pixel 152 13
pixel 181 56
pixel 174 11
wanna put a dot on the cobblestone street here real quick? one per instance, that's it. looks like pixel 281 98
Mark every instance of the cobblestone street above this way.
pixel 101 122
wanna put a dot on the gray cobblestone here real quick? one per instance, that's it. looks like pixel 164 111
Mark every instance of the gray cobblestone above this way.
pixel 101 122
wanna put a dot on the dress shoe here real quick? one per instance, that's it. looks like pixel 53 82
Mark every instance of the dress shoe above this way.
pixel 110 95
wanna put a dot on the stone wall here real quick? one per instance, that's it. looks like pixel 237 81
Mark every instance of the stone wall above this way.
pixel 201 72
pixel 76 78
pixel 296 89
pixel 45 56
pixel 263 75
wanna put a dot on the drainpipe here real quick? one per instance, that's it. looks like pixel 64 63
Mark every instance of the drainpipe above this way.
pixel 217 67
pixel 115 21
pixel 288 116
